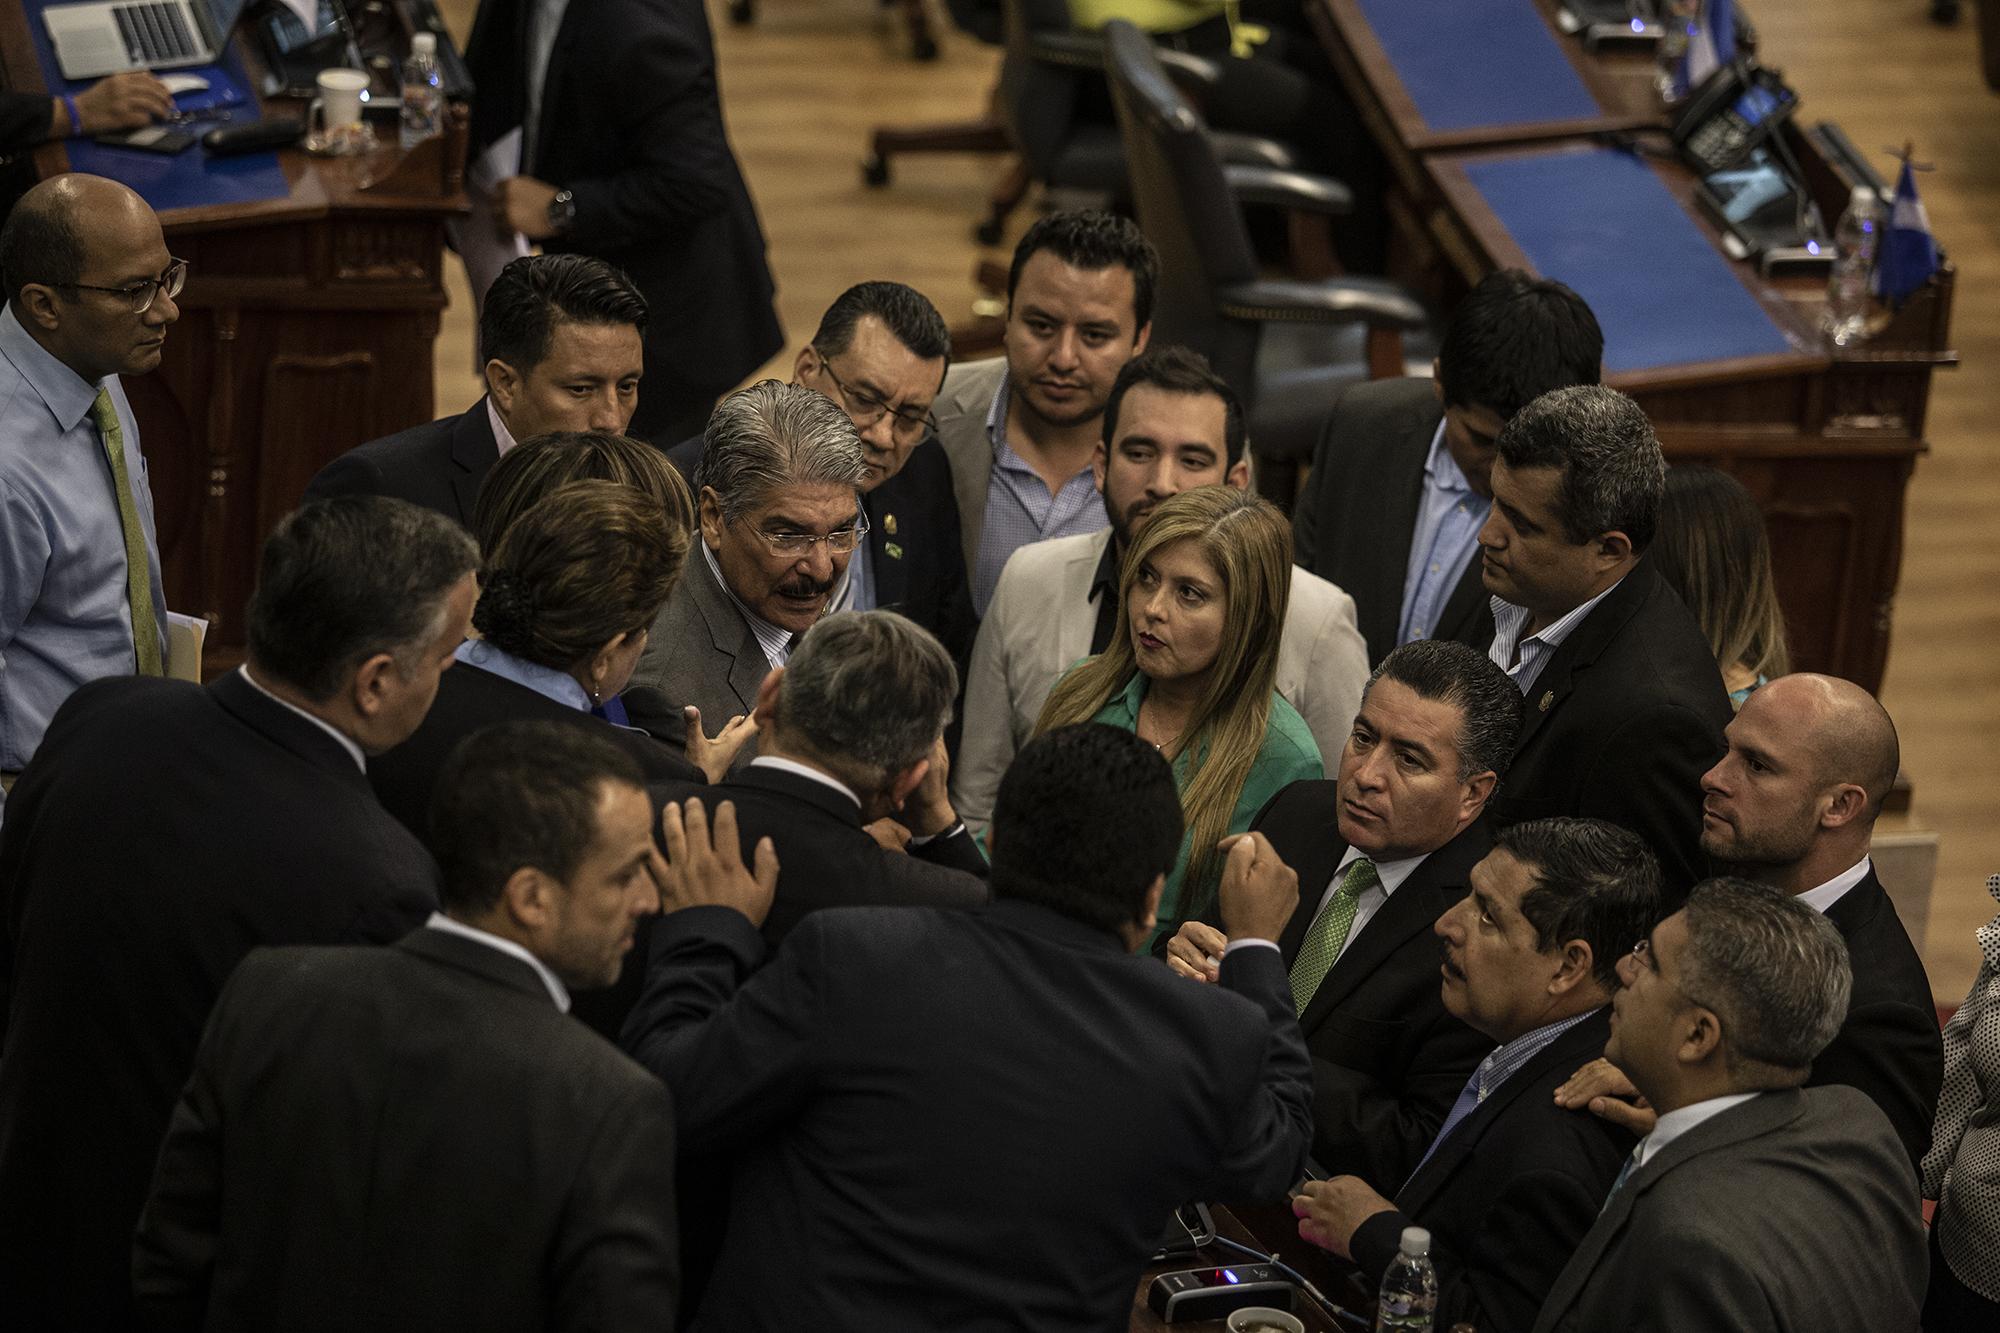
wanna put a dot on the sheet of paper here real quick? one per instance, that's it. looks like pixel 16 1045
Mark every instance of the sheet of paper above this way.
pixel 477 236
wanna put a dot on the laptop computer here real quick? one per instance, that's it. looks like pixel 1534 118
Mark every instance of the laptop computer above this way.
pixel 110 36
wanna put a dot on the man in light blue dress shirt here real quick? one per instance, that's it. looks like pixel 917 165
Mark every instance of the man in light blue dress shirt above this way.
pixel 90 291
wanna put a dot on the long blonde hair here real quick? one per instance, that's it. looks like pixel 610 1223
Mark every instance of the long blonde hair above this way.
pixel 1249 544
pixel 1712 547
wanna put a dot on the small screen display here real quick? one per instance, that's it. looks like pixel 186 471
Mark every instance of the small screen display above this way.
pixel 1756 103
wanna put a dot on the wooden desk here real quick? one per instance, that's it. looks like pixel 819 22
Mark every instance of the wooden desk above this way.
pixel 306 328
pixel 1825 438
pixel 1269 1230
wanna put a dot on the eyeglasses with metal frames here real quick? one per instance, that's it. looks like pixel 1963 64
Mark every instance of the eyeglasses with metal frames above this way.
pixel 139 297
pixel 865 409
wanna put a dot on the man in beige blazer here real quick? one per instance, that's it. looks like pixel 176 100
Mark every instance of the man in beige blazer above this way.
pixel 1170 424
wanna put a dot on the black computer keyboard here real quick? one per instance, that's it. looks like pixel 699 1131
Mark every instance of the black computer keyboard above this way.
pixel 155 33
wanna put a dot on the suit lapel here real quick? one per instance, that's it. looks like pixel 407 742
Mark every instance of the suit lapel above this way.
pixel 1402 499
pixel 1578 651
pixel 1735 1125
pixel 1411 910
pixel 553 79
pixel 474 451
pixel 891 571
pixel 1463 611
pixel 1852 911
pixel 1569 1051
pixel 730 634
pixel 284 728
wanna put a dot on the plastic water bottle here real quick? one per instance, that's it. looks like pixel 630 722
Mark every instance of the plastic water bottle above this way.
pixel 1849 299
pixel 423 98
pixel 1410 1287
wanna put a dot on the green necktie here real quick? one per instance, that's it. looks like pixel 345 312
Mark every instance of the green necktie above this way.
pixel 138 572
pixel 1328 931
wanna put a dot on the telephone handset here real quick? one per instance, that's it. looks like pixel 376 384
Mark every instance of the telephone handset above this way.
pixel 1733 111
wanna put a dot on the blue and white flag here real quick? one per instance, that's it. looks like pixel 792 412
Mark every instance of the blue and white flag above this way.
pixel 1711 43
pixel 1909 252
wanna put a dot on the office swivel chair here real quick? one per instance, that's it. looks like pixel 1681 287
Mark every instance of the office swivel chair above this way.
pixel 1287 346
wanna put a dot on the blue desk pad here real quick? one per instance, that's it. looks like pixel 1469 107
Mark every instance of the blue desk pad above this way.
pixel 1470 64
pixel 190 178
pixel 1601 221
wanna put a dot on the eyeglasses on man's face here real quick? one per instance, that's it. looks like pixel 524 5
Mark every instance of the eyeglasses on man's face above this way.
pixel 792 545
pixel 139 297
pixel 864 409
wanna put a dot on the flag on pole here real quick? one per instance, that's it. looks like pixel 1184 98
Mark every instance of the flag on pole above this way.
pixel 1909 252
pixel 1711 43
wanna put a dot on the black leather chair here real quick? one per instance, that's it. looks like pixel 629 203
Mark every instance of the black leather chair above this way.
pixel 1288 346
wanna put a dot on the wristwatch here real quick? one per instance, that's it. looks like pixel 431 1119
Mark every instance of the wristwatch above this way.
pixel 562 212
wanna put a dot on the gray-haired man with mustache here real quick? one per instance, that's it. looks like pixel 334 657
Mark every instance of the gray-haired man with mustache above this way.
pixel 780 516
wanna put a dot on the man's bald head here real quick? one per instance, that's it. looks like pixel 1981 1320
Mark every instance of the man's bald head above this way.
pixel 54 227
pixel 1845 727
pixel 1793 800
pixel 79 255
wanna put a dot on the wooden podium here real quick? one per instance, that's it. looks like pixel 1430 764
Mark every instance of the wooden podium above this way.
pixel 306 328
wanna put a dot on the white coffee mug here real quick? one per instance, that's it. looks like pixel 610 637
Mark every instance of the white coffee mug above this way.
pixel 335 115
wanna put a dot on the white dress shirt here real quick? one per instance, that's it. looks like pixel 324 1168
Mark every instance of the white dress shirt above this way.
pixel 503 439
pixel 346 741
pixel 1831 892
pixel 1676 1123
pixel 775 640
pixel 557 991
pixel 1390 873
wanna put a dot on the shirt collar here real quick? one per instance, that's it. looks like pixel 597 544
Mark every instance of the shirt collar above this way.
pixel 775 640
pixel 1831 892
pixel 502 437
pixel 1441 469
pixel 1676 1123
pixel 1515 619
pixel 346 741
pixel 1502 1064
pixel 996 415
pixel 65 393
pixel 793 766
pixel 1391 873
pixel 545 681
pixel 557 991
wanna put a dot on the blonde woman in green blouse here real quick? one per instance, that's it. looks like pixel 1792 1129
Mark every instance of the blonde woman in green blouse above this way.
pixel 1201 604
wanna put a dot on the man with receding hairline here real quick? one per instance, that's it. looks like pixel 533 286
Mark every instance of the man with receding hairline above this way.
pixel 1793 804
pixel 90 291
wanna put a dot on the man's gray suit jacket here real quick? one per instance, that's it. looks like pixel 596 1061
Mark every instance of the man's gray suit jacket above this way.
pixel 1795 1211
pixel 960 409
pixel 700 652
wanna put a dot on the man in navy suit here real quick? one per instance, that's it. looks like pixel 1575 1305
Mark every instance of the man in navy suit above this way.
pixel 560 339
pixel 1793 805
pixel 1512 1181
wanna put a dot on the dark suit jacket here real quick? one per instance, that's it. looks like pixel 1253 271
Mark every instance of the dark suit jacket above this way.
pixel 701 652
pixel 961 1119
pixel 438 465
pixel 1388 1060
pixel 162 831
pixel 631 124
pixel 470 699
pixel 1625 717
pixel 409 1138
pixel 1509 1194
pixel 1357 516
pixel 1793 1211
pixel 915 512
pixel 1890 1046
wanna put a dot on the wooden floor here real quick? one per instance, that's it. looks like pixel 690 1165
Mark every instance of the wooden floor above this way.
pixel 802 89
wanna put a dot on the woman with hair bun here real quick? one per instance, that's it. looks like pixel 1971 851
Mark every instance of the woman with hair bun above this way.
pixel 567 594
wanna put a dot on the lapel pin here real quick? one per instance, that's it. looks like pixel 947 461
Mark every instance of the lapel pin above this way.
pixel 1548 697
pixel 890 549
pixel 889 524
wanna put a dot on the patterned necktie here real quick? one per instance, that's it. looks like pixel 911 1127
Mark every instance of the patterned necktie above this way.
pixel 138 572
pixel 1328 931
pixel 1624 1174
